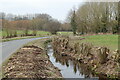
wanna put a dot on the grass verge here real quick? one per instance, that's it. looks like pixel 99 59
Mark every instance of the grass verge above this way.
pixel 17 38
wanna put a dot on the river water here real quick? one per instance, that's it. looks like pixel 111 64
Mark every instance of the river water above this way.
pixel 69 68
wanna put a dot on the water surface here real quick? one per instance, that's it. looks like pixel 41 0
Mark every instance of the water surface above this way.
pixel 69 67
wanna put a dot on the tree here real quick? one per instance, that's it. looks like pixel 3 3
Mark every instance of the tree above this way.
pixel 95 17
pixel 52 26
pixel 65 27
pixel 73 23
pixel 119 18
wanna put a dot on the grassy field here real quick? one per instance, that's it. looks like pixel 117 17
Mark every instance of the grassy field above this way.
pixel 19 32
pixel 39 34
pixel 65 33
pixel 110 41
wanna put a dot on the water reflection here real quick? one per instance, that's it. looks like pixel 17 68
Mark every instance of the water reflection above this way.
pixel 77 66
pixel 69 67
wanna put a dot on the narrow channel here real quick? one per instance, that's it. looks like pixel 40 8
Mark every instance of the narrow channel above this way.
pixel 69 68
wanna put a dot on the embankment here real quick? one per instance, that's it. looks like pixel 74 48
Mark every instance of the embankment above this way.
pixel 30 61
pixel 101 60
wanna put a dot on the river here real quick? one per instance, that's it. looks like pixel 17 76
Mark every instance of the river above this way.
pixel 69 67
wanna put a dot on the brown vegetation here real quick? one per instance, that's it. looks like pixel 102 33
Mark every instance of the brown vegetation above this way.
pixel 30 62
pixel 100 59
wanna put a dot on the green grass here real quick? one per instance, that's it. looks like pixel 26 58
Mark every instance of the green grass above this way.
pixel 17 38
pixel 110 41
pixel 19 32
pixel 65 33
pixel 43 32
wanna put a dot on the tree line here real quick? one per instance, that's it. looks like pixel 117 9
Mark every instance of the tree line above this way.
pixel 95 17
pixel 91 17
pixel 11 23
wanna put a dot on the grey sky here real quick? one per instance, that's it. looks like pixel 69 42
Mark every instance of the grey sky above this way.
pixel 56 8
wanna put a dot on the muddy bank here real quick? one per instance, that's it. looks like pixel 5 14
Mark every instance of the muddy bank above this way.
pixel 30 61
pixel 100 60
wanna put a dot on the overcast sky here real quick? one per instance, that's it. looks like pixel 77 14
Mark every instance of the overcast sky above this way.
pixel 58 9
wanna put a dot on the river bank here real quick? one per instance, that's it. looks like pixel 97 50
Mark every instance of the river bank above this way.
pixel 100 60
pixel 67 64
pixel 30 61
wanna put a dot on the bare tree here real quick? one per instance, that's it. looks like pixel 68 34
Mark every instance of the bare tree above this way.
pixel 53 26
pixel 97 17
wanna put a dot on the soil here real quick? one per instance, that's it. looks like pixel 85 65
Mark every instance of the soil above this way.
pixel 30 62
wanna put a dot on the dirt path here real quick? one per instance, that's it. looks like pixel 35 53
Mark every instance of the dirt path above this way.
pixel 30 62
